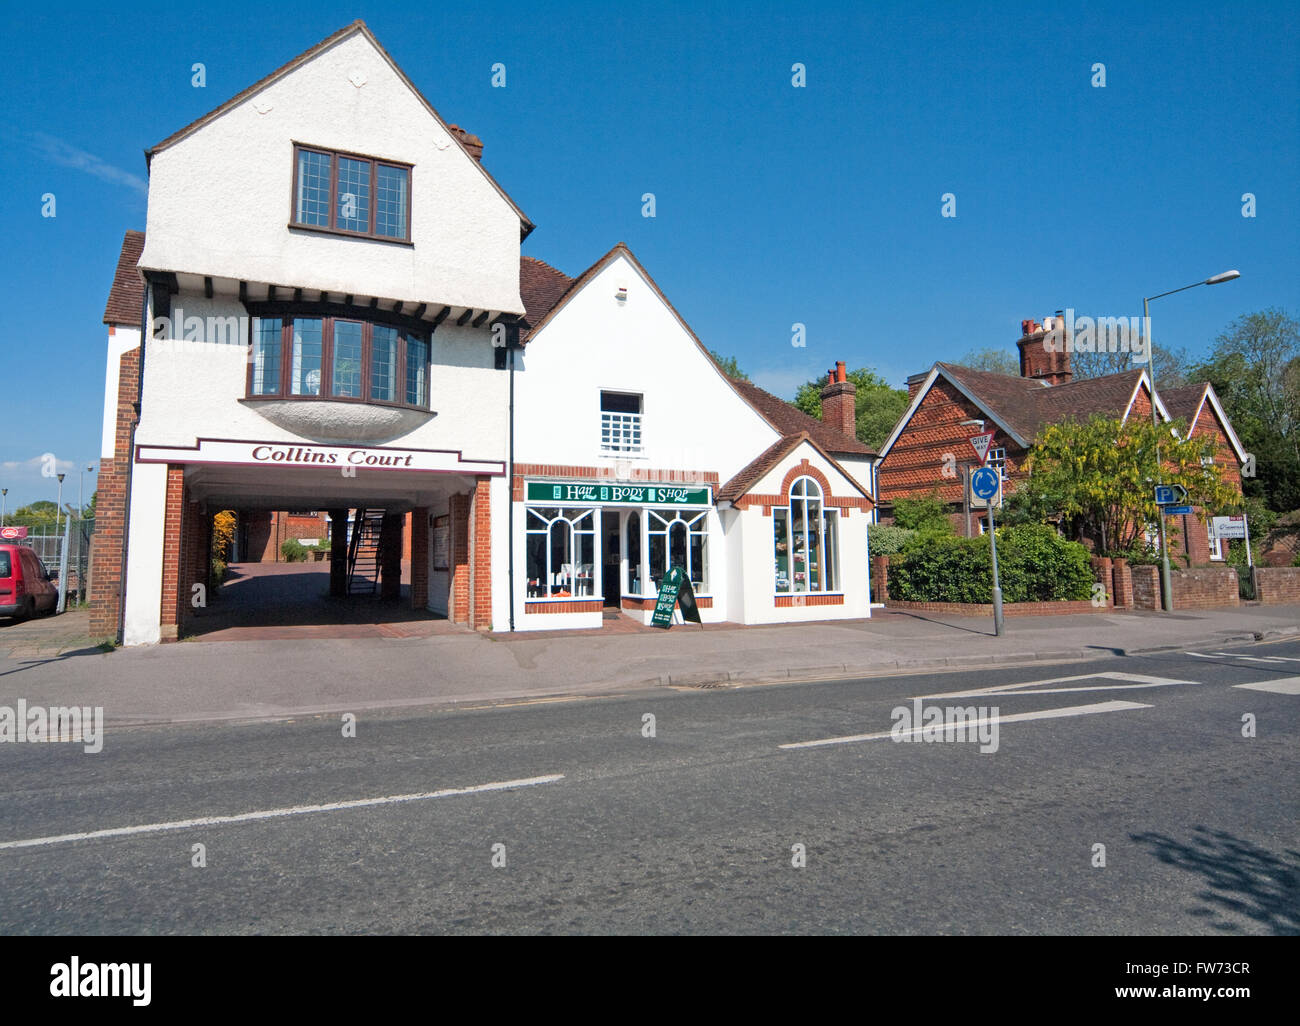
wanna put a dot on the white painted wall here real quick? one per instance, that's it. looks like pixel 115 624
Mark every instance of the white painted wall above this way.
pixel 693 420
pixel 123 340
pixel 221 198
pixel 752 549
pixel 145 554
pixel 192 389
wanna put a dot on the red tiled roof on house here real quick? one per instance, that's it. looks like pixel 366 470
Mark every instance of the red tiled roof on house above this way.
pixel 790 420
pixel 541 287
pixel 1184 403
pixel 749 476
pixel 127 294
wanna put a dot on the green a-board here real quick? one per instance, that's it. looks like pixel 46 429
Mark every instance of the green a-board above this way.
pixel 675 588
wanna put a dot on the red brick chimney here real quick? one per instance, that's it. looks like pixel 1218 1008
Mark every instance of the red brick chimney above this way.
pixel 839 401
pixel 1044 353
pixel 471 142
pixel 914 383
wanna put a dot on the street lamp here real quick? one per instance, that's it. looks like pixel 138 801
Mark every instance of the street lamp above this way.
pixel 81 494
pixel 1165 585
pixel 58 506
pixel 3 492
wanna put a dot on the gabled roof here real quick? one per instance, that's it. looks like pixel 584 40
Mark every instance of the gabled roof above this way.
pixel 784 418
pixel 541 287
pixel 126 297
pixel 750 475
pixel 458 136
pixel 790 420
pixel 1186 402
pixel 1022 407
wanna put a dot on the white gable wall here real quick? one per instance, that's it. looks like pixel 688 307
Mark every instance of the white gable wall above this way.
pixel 692 419
pixel 220 198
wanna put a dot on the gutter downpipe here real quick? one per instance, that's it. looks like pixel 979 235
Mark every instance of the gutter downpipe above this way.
pixel 511 345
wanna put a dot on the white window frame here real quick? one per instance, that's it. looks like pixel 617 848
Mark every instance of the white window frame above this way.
pixel 621 433
pixel 998 458
pixel 803 491
pixel 572 516
pixel 696 522
pixel 1216 543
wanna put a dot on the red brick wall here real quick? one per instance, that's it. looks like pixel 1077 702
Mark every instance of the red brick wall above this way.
pixel 1146 586
pixel 481 534
pixel 1208 588
pixel 110 508
pixel 1278 585
pixel 458 610
pixel 1122 583
pixel 418 539
pixel 1008 608
pixel 172 550
pixel 916 463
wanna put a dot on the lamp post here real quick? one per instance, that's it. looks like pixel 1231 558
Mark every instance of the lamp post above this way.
pixel 1166 587
pixel 81 493
pixel 58 506
pixel 3 493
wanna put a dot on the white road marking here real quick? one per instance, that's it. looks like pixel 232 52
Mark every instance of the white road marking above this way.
pixel 1262 659
pixel 1284 686
pixel 296 810
pixel 1043 714
pixel 1136 680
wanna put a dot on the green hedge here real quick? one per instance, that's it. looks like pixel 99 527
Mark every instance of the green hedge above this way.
pixel 1034 562
pixel 886 539
pixel 293 550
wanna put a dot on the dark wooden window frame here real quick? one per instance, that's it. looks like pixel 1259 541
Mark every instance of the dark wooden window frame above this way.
pixel 332 228
pixel 327 314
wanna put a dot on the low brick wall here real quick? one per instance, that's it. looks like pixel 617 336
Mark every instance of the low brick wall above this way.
pixel 1206 588
pixel 1277 585
pixel 1008 608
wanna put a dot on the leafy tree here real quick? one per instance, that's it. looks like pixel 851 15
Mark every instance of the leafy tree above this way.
pixel 1255 369
pixel 996 361
pixel 39 512
pixel 1101 474
pixel 877 405
pixel 89 512
pixel 1173 368
pixel 729 366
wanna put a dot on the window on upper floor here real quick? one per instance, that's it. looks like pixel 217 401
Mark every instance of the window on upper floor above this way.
pixel 998 461
pixel 620 423
pixel 351 194
pixel 339 358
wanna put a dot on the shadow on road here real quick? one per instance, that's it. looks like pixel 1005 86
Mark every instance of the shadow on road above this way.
pixel 1241 878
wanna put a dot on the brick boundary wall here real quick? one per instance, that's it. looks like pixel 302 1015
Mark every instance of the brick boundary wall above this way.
pixel 1277 585
pixel 110 508
pixel 1122 584
pixel 1206 588
pixel 1146 586
pixel 1103 573
pixel 879 578
pixel 1008 608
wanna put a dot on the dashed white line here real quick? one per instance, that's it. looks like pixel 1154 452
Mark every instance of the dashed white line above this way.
pixel 1044 714
pixel 296 810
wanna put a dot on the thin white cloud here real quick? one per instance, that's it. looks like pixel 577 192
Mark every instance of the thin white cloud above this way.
pixel 63 153
pixel 34 465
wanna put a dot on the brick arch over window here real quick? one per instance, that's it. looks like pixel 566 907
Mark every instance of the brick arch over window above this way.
pixel 846 503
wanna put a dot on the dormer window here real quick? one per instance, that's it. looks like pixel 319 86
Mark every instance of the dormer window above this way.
pixel 351 194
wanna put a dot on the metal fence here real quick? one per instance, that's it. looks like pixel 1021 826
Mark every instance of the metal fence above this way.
pixel 64 549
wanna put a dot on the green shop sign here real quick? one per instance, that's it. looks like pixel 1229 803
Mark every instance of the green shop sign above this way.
pixel 618 494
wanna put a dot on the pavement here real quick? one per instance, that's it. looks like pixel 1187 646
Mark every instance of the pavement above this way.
pixel 53 662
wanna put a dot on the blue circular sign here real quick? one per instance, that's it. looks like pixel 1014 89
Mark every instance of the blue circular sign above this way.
pixel 984 483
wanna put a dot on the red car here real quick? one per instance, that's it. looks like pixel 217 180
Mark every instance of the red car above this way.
pixel 25 587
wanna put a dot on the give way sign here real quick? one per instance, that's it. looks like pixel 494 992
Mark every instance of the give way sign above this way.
pixel 981 443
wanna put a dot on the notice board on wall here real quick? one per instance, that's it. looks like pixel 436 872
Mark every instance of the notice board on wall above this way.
pixel 441 542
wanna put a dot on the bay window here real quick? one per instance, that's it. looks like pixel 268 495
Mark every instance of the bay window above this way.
pixel 678 538
pixel 339 358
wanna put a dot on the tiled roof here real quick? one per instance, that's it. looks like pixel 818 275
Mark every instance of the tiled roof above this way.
pixel 1183 403
pixel 753 473
pixel 1027 406
pixel 541 286
pixel 127 294
pixel 790 420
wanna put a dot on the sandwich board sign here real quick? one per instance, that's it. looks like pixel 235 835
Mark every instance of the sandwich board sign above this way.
pixel 673 589
pixel 981 443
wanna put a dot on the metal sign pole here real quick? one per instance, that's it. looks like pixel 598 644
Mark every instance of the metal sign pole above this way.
pixel 997 586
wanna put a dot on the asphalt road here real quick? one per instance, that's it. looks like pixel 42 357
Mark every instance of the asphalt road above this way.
pixel 693 830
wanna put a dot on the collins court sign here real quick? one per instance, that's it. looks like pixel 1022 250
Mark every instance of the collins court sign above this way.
pixel 292 455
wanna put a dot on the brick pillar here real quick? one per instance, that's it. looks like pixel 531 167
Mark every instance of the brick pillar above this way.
pixel 196 549
pixel 419 538
pixel 338 553
pixel 1102 573
pixel 1197 535
pixel 481 556
pixel 879 578
pixel 458 610
pixel 173 551
pixel 1122 578
pixel 110 508
pixel 390 556
pixel 1146 587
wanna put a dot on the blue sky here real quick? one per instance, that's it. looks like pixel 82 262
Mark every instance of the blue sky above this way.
pixel 775 205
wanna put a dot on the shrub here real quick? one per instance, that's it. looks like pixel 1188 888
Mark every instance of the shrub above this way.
pixel 293 550
pixel 926 513
pixel 887 540
pixel 1034 563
